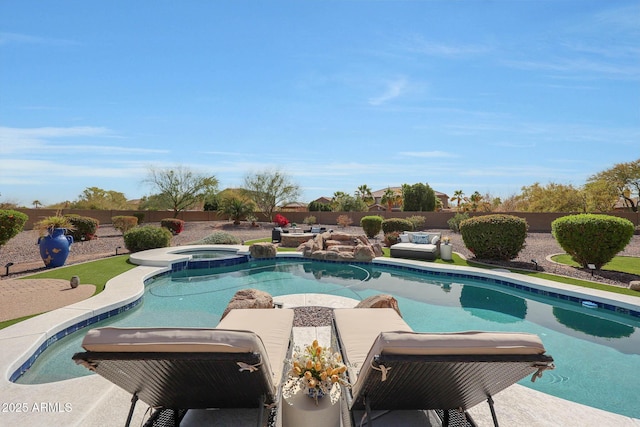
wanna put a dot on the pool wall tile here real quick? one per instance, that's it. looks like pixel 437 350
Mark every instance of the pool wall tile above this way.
pixel 69 330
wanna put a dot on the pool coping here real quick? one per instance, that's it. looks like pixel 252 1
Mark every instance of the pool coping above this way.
pixel 23 341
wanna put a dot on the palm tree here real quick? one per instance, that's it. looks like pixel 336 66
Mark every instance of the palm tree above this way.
pixel 364 192
pixel 476 200
pixel 36 203
pixel 389 197
pixel 458 196
pixel 236 208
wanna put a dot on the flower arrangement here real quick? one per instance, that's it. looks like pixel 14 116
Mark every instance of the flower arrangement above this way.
pixel 446 240
pixel 316 369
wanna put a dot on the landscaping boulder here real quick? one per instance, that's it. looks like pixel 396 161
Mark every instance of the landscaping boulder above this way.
pixel 634 285
pixel 263 250
pixel 340 247
pixel 380 301
pixel 249 298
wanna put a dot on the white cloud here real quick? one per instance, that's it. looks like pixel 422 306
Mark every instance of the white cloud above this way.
pixel 427 154
pixel 32 140
pixel 393 90
pixel 17 38
pixel 418 44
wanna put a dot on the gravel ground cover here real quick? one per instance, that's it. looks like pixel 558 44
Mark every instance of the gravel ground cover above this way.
pixel 23 251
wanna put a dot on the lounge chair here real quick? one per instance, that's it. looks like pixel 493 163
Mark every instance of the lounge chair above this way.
pixel 449 372
pixel 238 364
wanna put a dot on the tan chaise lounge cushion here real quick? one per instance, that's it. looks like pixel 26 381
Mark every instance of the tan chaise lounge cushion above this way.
pixel 263 331
pixel 359 328
pixel 176 340
pixel 459 343
pixel 448 344
pixel 273 325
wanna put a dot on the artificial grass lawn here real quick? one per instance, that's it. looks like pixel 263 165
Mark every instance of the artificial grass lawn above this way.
pixel 97 273
pixel 624 264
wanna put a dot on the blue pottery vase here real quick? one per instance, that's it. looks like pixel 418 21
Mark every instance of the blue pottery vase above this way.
pixel 54 248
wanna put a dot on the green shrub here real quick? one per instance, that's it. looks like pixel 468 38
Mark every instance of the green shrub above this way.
pixel 417 221
pixel 371 225
pixel 84 228
pixel 310 220
pixel 219 238
pixel 124 223
pixel 147 237
pixel 11 223
pixel 391 238
pixel 497 237
pixel 591 238
pixel 316 206
pixel 454 222
pixel 174 225
pixel 140 216
pixel 396 224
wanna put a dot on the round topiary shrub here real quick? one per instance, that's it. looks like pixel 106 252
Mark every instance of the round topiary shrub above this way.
pixel 11 223
pixel 84 227
pixel 496 237
pixel 147 237
pixel 396 224
pixel 219 238
pixel 371 225
pixel 140 216
pixel 592 238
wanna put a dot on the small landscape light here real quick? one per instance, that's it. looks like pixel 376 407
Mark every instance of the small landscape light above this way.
pixel 118 247
pixel 591 267
pixel 9 264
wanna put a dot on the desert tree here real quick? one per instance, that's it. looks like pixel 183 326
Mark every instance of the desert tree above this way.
pixel 270 189
pixel 181 187
pixel 625 177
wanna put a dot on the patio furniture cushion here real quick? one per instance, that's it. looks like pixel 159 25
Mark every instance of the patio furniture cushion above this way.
pixel 359 329
pixel 240 366
pixel 272 325
pixel 471 342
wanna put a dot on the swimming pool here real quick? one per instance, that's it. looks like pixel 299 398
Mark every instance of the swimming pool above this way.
pixel 593 348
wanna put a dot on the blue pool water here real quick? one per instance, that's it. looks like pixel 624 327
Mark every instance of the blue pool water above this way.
pixel 596 351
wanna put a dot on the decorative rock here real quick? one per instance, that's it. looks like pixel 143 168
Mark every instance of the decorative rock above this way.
pixel 363 253
pixel 340 247
pixel 263 250
pixel 249 298
pixel 74 282
pixel 634 285
pixel 341 237
pixel 380 301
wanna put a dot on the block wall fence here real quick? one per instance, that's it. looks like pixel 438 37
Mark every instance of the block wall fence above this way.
pixel 538 222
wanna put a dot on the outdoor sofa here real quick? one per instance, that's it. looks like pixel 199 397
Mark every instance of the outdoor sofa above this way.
pixel 238 364
pixel 391 367
pixel 417 245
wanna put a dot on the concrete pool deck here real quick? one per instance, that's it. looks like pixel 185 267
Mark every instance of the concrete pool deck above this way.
pixel 93 401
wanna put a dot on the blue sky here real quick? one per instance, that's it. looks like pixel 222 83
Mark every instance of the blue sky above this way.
pixel 485 96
